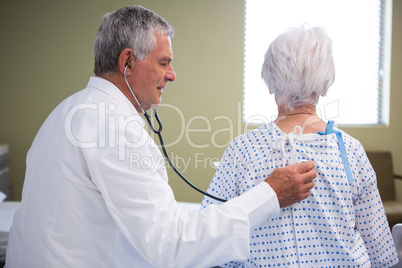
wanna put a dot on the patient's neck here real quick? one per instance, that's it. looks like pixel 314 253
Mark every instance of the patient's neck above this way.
pixel 304 116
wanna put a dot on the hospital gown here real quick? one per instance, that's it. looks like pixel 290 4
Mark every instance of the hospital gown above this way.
pixel 341 224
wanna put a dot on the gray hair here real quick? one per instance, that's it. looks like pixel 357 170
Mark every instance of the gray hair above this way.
pixel 299 67
pixel 128 27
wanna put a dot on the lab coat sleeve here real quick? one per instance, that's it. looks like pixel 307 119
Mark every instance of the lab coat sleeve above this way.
pixel 143 206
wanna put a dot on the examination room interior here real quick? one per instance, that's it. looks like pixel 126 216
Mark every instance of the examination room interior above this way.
pixel 47 55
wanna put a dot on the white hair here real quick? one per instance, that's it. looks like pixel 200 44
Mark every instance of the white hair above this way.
pixel 298 66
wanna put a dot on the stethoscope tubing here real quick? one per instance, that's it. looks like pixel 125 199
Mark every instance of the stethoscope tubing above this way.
pixel 159 133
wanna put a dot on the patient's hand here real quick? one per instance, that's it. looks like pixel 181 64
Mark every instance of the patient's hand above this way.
pixel 292 183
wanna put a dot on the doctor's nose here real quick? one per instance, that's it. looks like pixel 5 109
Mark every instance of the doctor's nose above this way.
pixel 170 74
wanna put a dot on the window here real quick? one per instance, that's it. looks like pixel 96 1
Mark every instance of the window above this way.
pixel 360 31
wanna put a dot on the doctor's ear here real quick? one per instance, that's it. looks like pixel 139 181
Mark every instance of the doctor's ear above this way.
pixel 126 60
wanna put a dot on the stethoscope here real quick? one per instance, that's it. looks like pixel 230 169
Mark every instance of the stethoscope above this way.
pixel 158 132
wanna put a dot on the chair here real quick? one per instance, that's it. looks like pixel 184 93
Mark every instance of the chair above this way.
pixel 382 165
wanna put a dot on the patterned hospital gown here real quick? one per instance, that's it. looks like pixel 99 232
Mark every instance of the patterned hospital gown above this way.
pixel 341 224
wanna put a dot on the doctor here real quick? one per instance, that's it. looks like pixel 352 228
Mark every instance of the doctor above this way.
pixel 85 204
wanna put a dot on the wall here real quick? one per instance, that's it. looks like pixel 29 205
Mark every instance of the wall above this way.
pixel 47 54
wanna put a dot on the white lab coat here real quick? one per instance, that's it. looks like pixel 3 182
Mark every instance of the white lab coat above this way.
pixel 96 195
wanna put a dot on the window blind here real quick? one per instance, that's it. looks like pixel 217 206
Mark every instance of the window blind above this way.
pixel 360 32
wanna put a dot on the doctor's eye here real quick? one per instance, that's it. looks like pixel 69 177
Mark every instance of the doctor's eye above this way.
pixel 166 63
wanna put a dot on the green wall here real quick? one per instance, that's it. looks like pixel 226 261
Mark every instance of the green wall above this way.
pixel 47 54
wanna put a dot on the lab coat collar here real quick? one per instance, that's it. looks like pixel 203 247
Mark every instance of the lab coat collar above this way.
pixel 109 88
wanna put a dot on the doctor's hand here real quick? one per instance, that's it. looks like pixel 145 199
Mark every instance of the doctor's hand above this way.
pixel 292 183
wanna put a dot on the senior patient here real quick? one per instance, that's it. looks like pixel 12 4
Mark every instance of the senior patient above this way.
pixel 342 223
